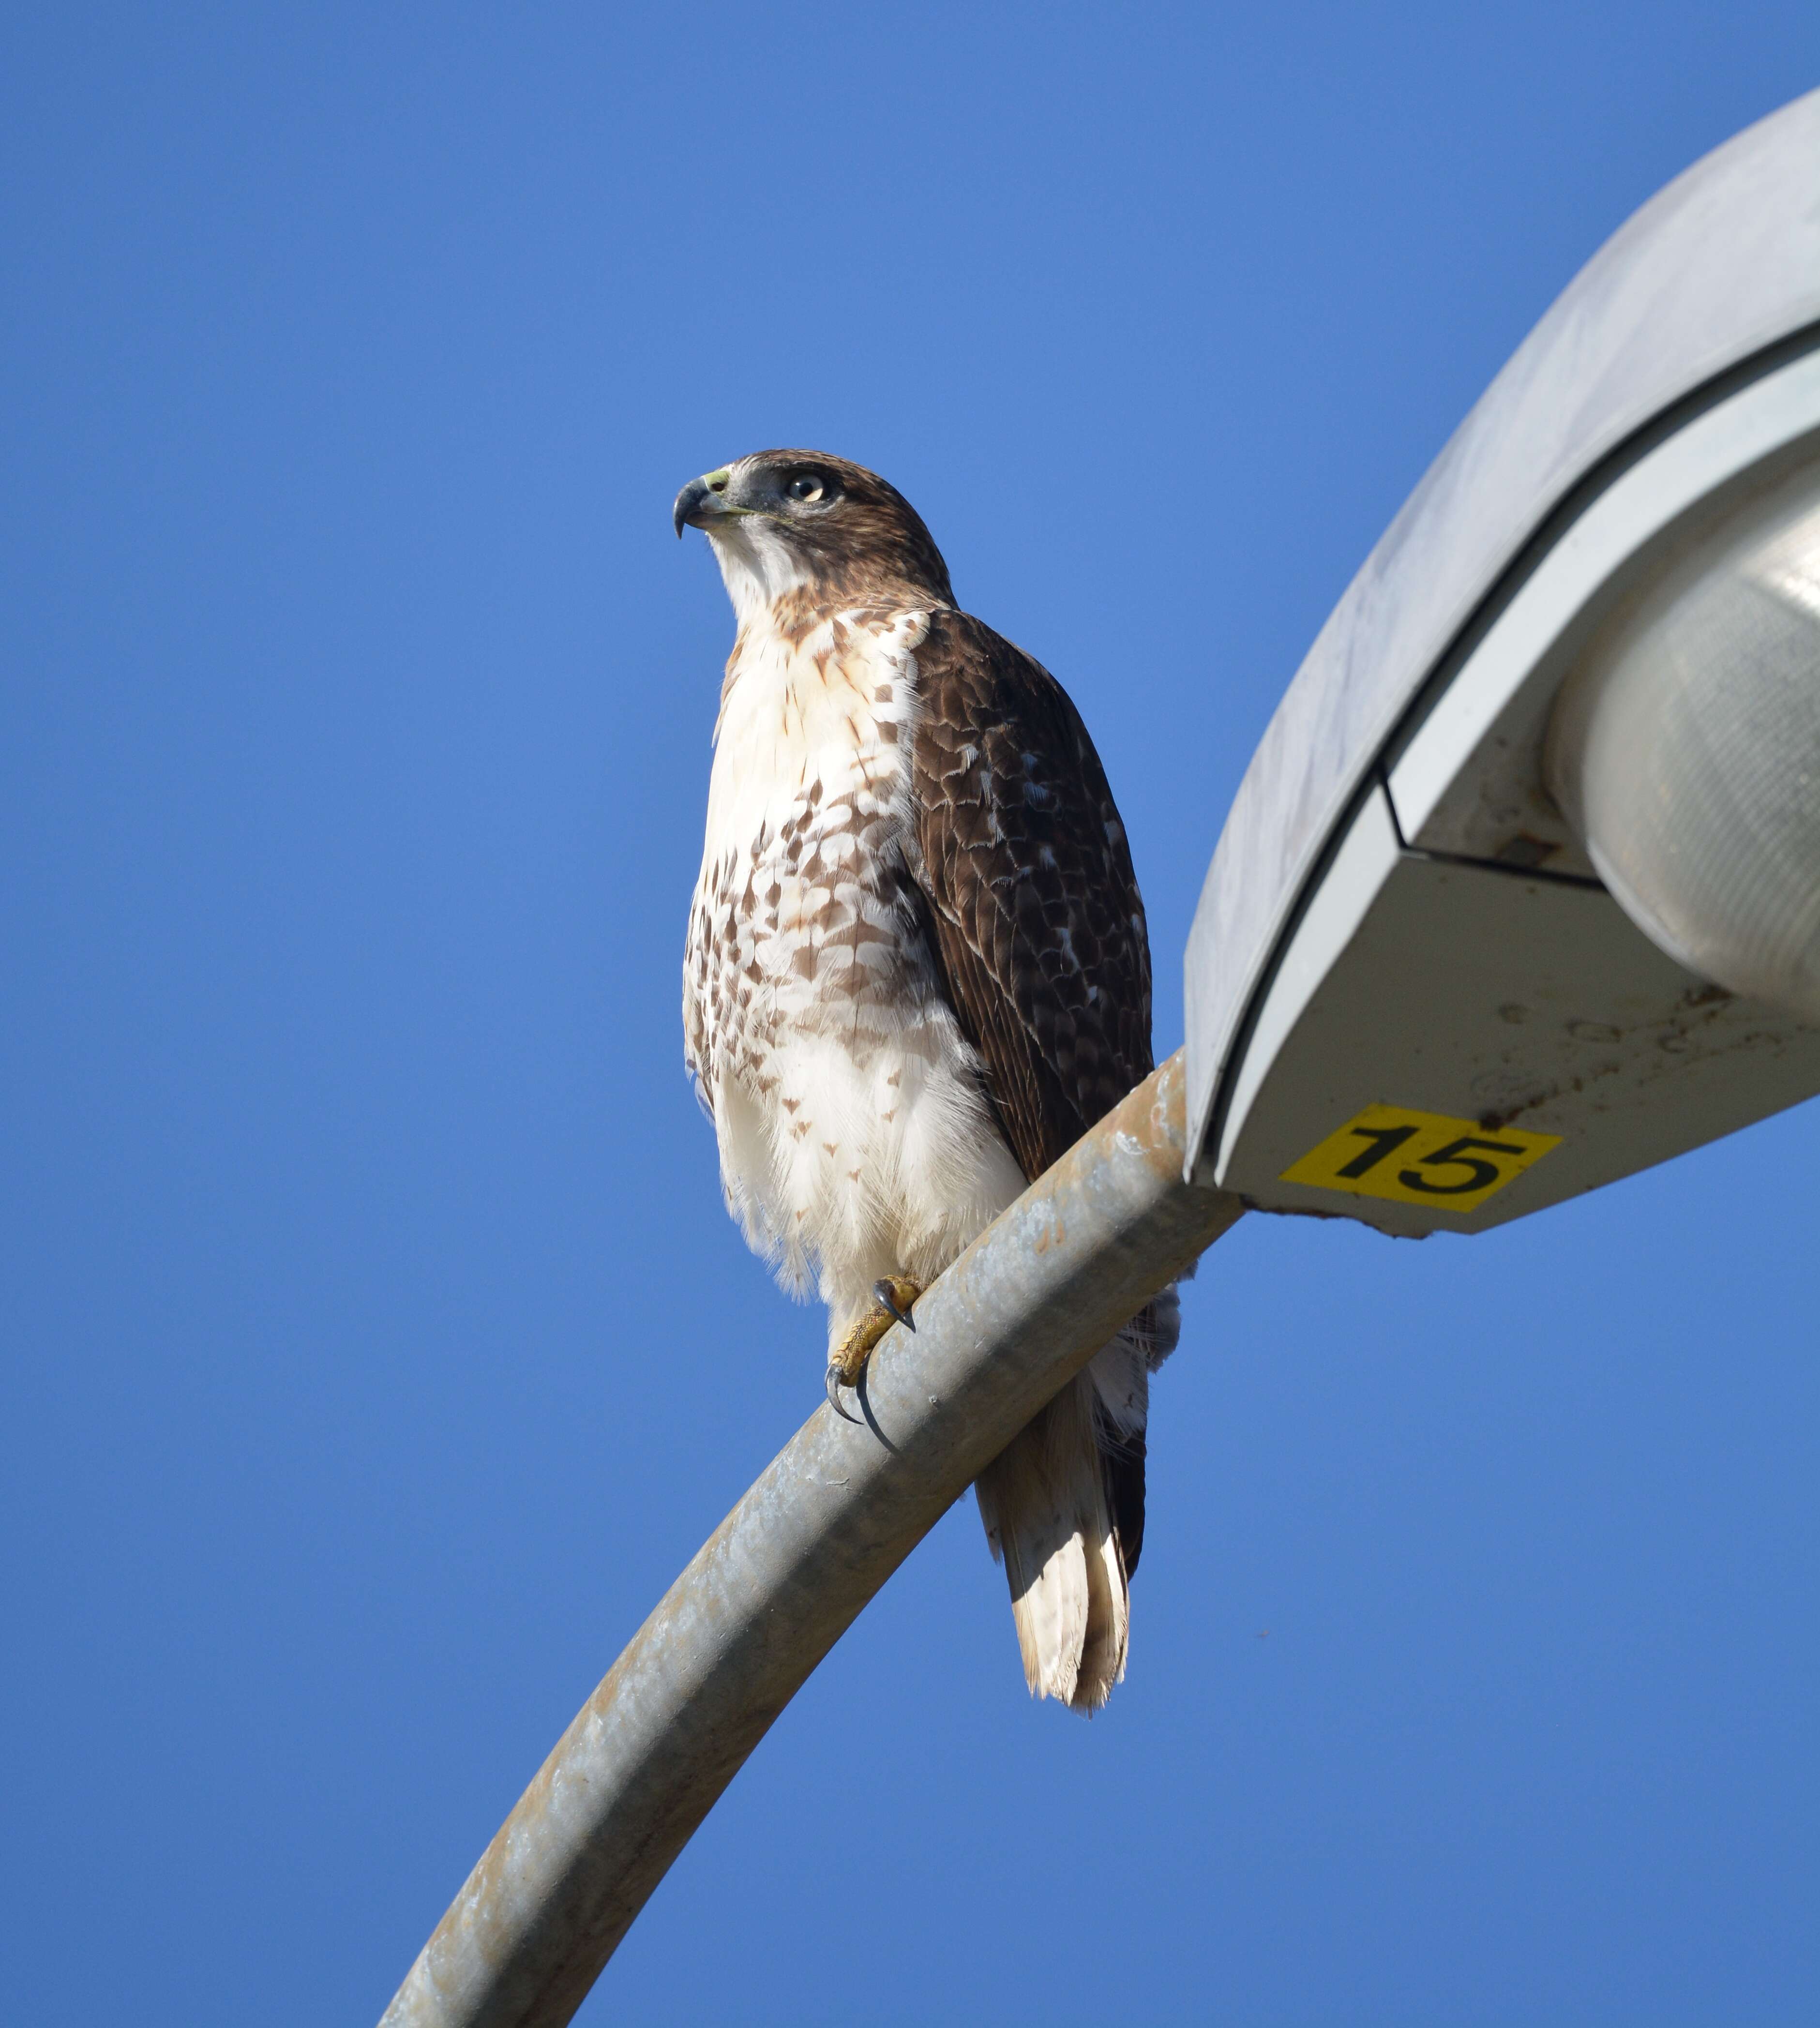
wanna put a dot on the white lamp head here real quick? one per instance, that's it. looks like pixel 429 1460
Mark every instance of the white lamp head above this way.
pixel 1521 892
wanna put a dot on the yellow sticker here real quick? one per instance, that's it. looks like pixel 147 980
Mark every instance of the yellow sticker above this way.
pixel 1420 1158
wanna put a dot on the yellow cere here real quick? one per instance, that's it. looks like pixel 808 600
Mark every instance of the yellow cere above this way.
pixel 1420 1158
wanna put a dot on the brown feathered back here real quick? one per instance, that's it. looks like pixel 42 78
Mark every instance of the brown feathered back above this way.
pixel 1038 918
pixel 1037 921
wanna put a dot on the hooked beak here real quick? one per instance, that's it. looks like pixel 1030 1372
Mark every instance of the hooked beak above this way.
pixel 703 502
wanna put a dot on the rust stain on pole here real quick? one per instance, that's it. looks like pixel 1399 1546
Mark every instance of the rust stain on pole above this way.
pixel 794 1563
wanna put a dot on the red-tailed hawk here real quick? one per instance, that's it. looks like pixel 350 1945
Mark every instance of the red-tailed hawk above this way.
pixel 917 971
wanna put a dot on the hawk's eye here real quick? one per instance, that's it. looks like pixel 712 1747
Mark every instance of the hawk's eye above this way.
pixel 806 486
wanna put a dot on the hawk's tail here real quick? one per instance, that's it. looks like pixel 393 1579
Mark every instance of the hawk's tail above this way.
pixel 1064 1509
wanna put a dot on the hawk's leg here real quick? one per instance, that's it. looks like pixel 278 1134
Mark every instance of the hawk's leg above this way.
pixel 893 1299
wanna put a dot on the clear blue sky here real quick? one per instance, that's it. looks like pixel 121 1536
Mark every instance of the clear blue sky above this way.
pixel 375 1347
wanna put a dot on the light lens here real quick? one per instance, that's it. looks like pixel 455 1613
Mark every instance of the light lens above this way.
pixel 1685 750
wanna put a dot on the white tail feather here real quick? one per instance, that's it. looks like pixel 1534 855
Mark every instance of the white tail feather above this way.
pixel 1043 1504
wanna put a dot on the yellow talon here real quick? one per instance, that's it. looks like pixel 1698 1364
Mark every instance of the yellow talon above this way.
pixel 894 1298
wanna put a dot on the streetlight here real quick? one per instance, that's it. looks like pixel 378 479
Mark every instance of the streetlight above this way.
pixel 1522 891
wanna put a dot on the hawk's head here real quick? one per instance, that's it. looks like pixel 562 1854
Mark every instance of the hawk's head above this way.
pixel 785 521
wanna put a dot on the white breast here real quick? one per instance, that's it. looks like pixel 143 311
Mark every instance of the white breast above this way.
pixel 854 1140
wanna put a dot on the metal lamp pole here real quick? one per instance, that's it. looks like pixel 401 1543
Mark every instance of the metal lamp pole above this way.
pixel 793 1565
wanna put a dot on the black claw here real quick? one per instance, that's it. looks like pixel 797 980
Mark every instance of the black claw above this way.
pixel 835 1393
pixel 882 1290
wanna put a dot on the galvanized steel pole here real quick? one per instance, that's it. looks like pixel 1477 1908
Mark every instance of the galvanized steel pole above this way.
pixel 788 1570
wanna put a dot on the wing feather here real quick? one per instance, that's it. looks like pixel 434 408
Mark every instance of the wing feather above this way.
pixel 1036 921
